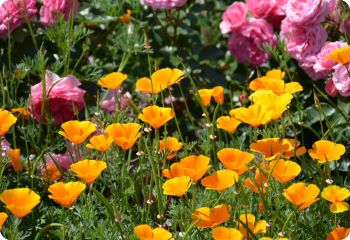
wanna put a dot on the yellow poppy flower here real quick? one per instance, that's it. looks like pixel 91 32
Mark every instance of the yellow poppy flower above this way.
pixel 126 18
pixel 218 94
pixel 220 180
pixel 339 233
pixel 229 124
pixel 51 173
pixel 124 134
pixel 170 146
pixel 205 96
pixel 255 115
pixel 15 158
pixel 113 80
pixel 301 195
pixel 235 159
pixel 272 148
pixel 259 185
pixel 6 121
pixel 88 170
pixel 65 194
pixel 325 151
pixel 177 186
pixel 77 131
pixel 100 142
pixel 284 171
pixel 22 112
pixel 249 221
pixel 145 232
pixel 20 201
pixel 205 217
pixel 223 233
pixel 3 217
pixel 340 55
pixel 337 196
pixel 156 116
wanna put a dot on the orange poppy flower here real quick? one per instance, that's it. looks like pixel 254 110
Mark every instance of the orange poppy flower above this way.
pixel 339 233
pixel 284 171
pixel 124 134
pixel 77 131
pixel 100 142
pixel 218 95
pixel 22 112
pixel 229 124
pixel 255 115
pixel 51 173
pixel 337 196
pixel 220 180
pixel 340 55
pixel 301 195
pixel 205 96
pixel 193 166
pixel 177 186
pixel 170 146
pixel 145 232
pixel 223 233
pixel 20 201
pixel 325 151
pixel 113 80
pixel 160 80
pixel 249 221
pixel 272 148
pixel 126 18
pixel 65 194
pixel 3 217
pixel 6 121
pixel 259 185
pixel 235 159
pixel 88 170
pixel 206 217
pixel 277 104
pixel 156 116
pixel 15 158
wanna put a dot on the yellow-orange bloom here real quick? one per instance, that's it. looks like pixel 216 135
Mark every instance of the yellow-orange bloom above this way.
pixel 100 142
pixel 301 195
pixel 145 232
pixel 220 180
pixel 193 166
pixel 124 134
pixel 88 170
pixel 337 196
pixel 229 124
pixel 340 55
pixel 113 80
pixel 235 159
pixel 15 158
pixel 77 131
pixel 160 80
pixel 22 112
pixel 206 217
pixel 259 185
pixel 325 151
pixel 126 18
pixel 339 233
pixel 217 93
pixel 156 116
pixel 223 233
pixel 249 221
pixel 255 115
pixel 6 121
pixel 273 148
pixel 284 171
pixel 20 201
pixel 170 146
pixel 51 173
pixel 3 217
pixel 65 194
pixel 177 186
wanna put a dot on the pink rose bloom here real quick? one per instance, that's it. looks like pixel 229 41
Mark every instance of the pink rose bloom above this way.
pixel 278 13
pixel 341 80
pixel 322 63
pixel 330 88
pixel 109 104
pixel 234 17
pixel 62 94
pixel 163 4
pixel 5 146
pixel 333 10
pixel 303 12
pixel 51 8
pixel 261 8
pixel 12 13
pixel 307 64
pixel 248 44
pixel 302 41
pixel 345 26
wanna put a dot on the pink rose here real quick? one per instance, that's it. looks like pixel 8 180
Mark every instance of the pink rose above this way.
pixel 260 8
pixel 333 10
pixel 51 8
pixel 234 17
pixel 62 94
pixel 330 88
pixel 303 12
pixel 12 13
pixel 323 64
pixel 5 146
pixel 278 13
pixel 341 80
pixel 302 41
pixel 163 4
pixel 109 103
pixel 248 43
pixel 307 64
pixel 345 26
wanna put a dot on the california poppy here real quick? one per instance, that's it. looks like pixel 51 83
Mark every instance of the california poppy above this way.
pixel 170 146
pixel 205 96
pixel 218 94
pixel 284 171
pixel 3 217
pixel 156 116
pixel 272 148
pixel 51 173
pixel 223 233
pixel 302 195
pixel 249 221
pixel 325 151
pixel 339 233
pixel 255 115
pixel 235 159
pixel 65 194
pixel 337 196
pixel 100 142
pixel 6 121
pixel 20 201
pixel 15 158
pixel 77 131
pixel 206 217
pixel 22 112
pixel 259 185
pixel 113 80
pixel 145 232
pixel 88 170
pixel 220 180
pixel 124 134
pixel 227 123
pixel 340 55
pixel 126 18
pixel 177 186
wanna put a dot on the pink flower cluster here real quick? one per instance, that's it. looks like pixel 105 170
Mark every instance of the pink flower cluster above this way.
pixel 63 95
pixel 110 104
pixel 163 4
pixel 51 8
pixel 249 35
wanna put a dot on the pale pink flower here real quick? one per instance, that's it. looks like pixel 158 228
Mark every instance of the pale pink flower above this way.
pixel 5 146
pixel 51 8
pixel 110 104
pixel 63 94
pixel 303 12
pixel 64 160
pixel 163 4
pixel 261 8
pixel 12 14
pixel 341 79
pixel 330 88
pixel 234 17
pixel 307 64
